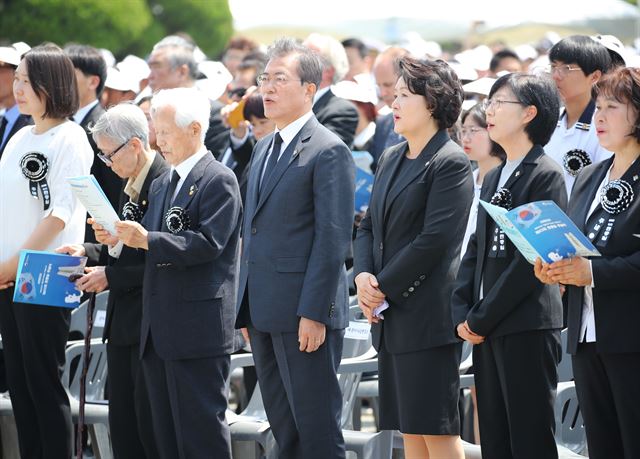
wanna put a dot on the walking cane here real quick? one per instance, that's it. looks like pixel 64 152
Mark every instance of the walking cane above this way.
pixel 85 367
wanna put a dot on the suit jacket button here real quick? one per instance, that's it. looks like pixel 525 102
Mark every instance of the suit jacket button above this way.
pixel 254 230
pixel 416 283
pixel 411 289
pixel 423 277
pixel 381 246
pixel 405 294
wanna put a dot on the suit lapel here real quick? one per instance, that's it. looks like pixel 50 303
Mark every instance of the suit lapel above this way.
pixel 190 186
pixel 582 203
pixel 293 150
pixel 158 199
pixel 425 158
pixel 488 189
pixel 382 182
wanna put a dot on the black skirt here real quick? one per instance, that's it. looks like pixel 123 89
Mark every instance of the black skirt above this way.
pixel 419 390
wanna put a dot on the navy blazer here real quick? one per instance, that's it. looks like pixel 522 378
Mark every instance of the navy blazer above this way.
pixel 514 300
pixel 297 233
pixel 616 274
pixel 125 273
pixel 190 278
pixel 410 240
pixel 338 115
pixel 21 121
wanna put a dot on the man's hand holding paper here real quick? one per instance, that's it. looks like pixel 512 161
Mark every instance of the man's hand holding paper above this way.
pixel 132 234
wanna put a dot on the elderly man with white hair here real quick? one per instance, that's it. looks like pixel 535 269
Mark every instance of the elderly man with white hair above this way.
pixel 190 236
pixel 122 137
pixel 335 113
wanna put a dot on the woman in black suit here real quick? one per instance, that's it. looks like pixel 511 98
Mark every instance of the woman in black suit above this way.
pixel 603 293
pixel 498 305
pixel 405 257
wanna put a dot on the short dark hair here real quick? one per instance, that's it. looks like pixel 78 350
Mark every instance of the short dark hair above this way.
pixel 310 63
pixel 53 79
pixel 623 85
pixel 253 106
pixel 89 61
pixel 357 44
pixel 539 91
pixel 583 51
pixel 499 56
pixel 438 83
pixel 478 115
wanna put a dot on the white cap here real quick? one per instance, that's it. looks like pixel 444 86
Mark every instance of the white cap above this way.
pixel 478 57
pixel 108 57
pixel 135 67
pixel 480 86
pixel 120 81
pixel 612 43
pixel 464 71
pixel 9 55
pixel 355 91
pixel 218 77
pixel 21 47
pixel 525 52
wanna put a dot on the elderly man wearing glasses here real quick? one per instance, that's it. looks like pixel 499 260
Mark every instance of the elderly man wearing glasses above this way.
pixel 122 137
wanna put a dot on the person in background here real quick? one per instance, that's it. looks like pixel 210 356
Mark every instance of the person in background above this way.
pixel 336 114
pixel 359 59
pixel 235 52
pixel 34 337
pixel 504 61
pixel 11 120
pixel 407 252
pixel 145 106
pixel 577 63
pixel 513 320
pixel 602 292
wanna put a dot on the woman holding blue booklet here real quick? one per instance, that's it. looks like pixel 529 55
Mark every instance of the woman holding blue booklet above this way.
pixel 603 293
pixel 39 212
pixel 512 319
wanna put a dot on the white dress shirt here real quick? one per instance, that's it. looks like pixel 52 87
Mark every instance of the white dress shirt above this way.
pixel 185 167
pixel 82 113
pixel 287 134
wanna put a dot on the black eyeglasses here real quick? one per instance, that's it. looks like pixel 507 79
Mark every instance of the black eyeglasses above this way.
pixel 106 157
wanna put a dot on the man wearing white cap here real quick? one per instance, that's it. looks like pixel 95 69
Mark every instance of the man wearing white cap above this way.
pixel 119 87
pixel 11 121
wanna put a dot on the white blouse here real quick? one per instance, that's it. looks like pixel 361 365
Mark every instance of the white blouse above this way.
pixel 69 154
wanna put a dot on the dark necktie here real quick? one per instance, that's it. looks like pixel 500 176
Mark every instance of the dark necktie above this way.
pixel 273 159
pixel 175 178
pixel 3 127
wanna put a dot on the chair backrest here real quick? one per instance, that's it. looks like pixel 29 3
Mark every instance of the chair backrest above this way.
pixel 96 374
pixel 570 431
pixel 352 347
pixel 565 369
pixel 78 325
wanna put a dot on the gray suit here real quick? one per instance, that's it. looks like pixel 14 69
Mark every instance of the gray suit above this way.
pixel 296 236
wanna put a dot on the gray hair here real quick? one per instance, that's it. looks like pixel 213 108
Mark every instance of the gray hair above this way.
pixel 332 52
pixel 190 105
pixel 309 62
pixel 179 52
pixel 122 123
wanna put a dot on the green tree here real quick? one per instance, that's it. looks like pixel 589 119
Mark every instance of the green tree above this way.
pixel 208 22
pixel 111 24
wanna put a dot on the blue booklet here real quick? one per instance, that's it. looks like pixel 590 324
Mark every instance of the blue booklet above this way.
pixel 43 278
pixel 541 229
pixel 364 180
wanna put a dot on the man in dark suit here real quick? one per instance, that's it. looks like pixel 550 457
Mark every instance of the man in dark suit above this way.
pixel 386 73
pixel 12 120
pixel 173 66
pixel 91 74
pixel 293 287
pixel 335 113
pixel 123 134
pixel 191 237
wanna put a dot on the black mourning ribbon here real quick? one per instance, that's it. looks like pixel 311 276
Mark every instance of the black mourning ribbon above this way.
pixel 34 167
pixel 615 197
pixel 131 211
pixel 501 198
pixel 574 161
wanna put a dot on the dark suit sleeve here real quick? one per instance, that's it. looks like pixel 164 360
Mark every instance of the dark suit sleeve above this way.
pixel 363 246
pixel 219 210
pixel 517 281
pixel 343 122
pixel 217 137
pixel 462 297
pixel 619 273
pixel 447 206
pixel 122 278
pixel 97 254
pixel 333 198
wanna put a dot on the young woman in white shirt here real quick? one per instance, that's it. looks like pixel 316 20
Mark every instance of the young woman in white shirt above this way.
pixel 38 211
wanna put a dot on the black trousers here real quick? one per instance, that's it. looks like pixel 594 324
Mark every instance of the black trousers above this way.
pixel 301 394
pixel 188 405
pixel 129 410
pixel 516 379
pixel 607 387
pixel 34 340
